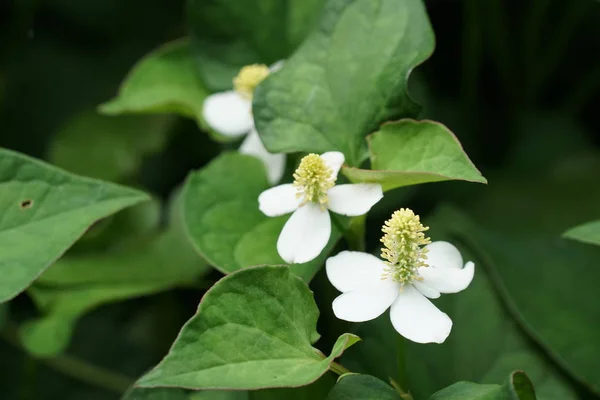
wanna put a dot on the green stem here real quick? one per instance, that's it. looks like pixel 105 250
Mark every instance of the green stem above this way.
pixel 404 395
pixel 338 369
pixel 355 235
pixel 76 368
pixel 402 381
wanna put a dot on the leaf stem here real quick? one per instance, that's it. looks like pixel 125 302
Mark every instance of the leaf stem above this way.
pixel 338 369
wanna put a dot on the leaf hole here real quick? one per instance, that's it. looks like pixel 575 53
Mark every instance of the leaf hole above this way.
pixel 25 204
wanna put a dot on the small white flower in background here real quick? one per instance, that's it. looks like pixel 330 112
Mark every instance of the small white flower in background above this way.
pixel 409 276
pixel 230 114
pixel 310 197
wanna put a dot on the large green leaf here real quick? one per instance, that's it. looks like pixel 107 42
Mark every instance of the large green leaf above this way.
pixel 253 329
pixel 349 76
pixel 586 233
pixel 132 267
pixel 483 352
pixel 164 81
pixel 517 387
pixel 363 387
pixel 115 147
pixel 229 34
pixel 43 211
pixel 410 152
pixel 540 278
pixel 223 220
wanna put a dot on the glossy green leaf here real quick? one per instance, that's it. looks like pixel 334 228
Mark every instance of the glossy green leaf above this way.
pixel 228 34
pixel 132 267
pixel 586 233
pixel 409 152
pixel 363 387
pixel 223 220
pixel 115 147
pixel 348 77
pixel 540 278
pixel 44 210
pixel 253 329
pixel 164 81
pixel 517 387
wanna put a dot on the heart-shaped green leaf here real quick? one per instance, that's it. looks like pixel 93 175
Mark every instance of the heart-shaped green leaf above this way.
pixel 253 329
pixel 43 211
pixel 517 387
pixel 363 387
pixel 164 81
pixel 228 34
pixel 409 152
pixel 349 76
pixel 586 233
pixel 223 220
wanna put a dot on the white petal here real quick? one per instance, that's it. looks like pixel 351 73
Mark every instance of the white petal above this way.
pixel 349 270
pixel 278 200
pixel 334 160
pixel 444 255
pixel 274 163
pixel 228 113
pixel 445 273
pixel 426 290
pixel 276 66
pixel 305 234
pixel 354 199
pixel 366 303
pixel 418 319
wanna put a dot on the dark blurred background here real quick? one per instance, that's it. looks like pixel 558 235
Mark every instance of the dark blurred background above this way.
pixel 517 81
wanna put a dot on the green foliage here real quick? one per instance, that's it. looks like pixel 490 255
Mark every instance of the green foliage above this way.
pixel 76 284
pixel 117 145
pixel 558 319
pixel 410 152
pixel 484 353
pixel 164 81
pixel 223 220
pixel 227 35
pixel 586 233
pixel 517 387
pixel 342 83
pixel 44 211
pixel 365 387
pixel 108 275
pixel 253 329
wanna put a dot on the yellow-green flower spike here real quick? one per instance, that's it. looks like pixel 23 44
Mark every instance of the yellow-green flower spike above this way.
pixel 249 78
pixel 403 238
pixel 313 179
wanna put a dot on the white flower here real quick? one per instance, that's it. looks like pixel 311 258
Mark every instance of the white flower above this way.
pixel 410 275
pixel 310 197
pixel 230 114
